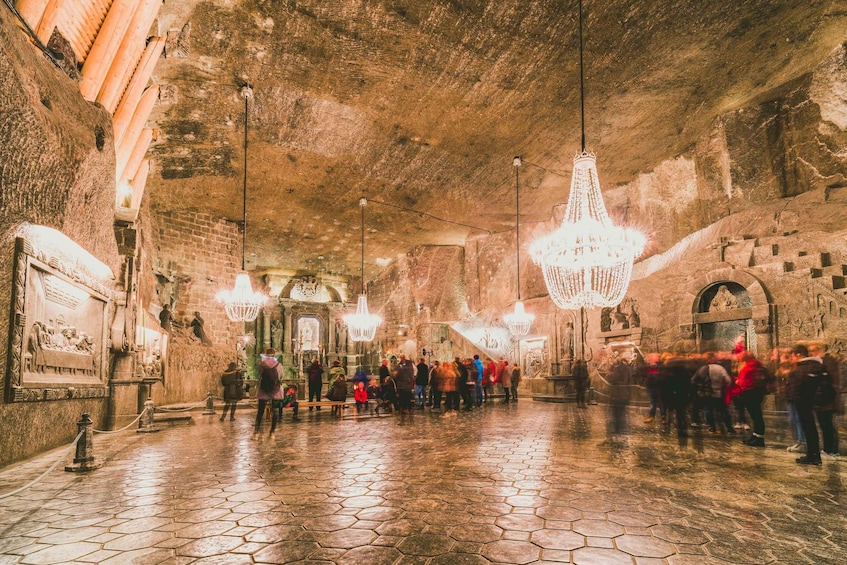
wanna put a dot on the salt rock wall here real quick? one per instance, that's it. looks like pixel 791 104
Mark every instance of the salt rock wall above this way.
pixel 424 286
pixel 760 194
pixel 56 169
pixel 193 257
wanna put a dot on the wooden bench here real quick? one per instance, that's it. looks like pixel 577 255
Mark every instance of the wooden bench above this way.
pixel 337 406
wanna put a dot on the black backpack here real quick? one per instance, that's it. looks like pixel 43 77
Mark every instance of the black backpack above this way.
pixel 824 394
pixel 764 380
pixel 269 380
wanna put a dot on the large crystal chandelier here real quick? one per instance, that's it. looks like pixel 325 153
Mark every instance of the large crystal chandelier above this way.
pixel 519 321
pixel 587 262
pixel 362 325
pixel 241 303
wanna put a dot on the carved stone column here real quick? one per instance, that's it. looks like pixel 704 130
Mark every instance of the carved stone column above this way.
pixel 266 327
pixel 286 334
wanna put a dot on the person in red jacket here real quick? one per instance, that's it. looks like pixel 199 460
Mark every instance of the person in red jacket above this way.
pixel 751 396
pixel 360 395
pixel 488 377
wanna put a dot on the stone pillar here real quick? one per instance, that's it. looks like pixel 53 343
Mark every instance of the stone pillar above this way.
pixel 286 333
pixel 266 328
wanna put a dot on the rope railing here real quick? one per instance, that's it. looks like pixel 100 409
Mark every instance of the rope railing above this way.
pixel 182 409
pixel 45 473
pixel 123 428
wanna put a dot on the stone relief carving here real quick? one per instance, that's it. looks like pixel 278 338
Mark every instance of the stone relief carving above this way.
pixel 178 42
pixel 762 325
pixel 624 316
pixel 59 333
pixel 723 300
pixel 535 359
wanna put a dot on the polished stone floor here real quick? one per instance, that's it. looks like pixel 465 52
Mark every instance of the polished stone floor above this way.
pixel 520 483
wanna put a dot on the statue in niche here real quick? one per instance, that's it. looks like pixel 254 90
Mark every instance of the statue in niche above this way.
pixel 308 336
pixel 199 331
pixel 817 323
pixel 241 355
pixel 567 343
pixel 723 300
pixel 634 316
pixel 340 337
pixel 606 320
pixel 619 320
pixel 276 335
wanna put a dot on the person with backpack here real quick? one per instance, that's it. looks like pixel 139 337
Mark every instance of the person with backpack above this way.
pixel 233 382
pixel 269 388
pixel 716 381
pixel 816 391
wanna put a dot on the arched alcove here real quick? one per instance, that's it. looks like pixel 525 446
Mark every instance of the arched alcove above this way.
pixel 729 304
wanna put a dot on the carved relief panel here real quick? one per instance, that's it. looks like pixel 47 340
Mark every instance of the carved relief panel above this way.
pixel 59 336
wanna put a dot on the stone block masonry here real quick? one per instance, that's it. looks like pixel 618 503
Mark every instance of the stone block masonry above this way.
pixel 202 254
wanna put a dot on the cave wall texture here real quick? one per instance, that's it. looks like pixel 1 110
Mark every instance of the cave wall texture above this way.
pixel 57 167
pixel 767 180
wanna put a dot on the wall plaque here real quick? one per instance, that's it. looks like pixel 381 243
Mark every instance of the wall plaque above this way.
pixel 58 340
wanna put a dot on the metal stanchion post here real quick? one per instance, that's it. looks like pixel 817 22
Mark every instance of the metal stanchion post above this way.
pixel 592 399
pixel 210 405
pixel 84 460
pixel 147 423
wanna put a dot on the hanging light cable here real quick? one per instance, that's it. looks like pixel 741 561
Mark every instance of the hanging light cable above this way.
pixel 362 325
pixel 519 321
pixel 241 303
pixel 587 262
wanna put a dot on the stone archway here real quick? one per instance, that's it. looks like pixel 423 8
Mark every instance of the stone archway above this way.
pixel 728 303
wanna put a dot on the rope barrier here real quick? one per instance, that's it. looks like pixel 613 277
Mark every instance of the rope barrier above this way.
pixel 123 428
pixel 44 474
pixel 182 409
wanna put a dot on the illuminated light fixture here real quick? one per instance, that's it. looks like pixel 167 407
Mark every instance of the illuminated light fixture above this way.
pixel 241 303
pixel 52 246
pixel 587 262
pixel 362 325
pixel 519 321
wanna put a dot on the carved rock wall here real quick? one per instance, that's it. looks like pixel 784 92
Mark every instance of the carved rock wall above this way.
pixel 193 256
pixel 768 178
pixel 426 285
pixel 56 169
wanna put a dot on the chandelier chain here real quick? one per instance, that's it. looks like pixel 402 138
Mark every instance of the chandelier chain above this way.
pixel 244 191
pixel 581 82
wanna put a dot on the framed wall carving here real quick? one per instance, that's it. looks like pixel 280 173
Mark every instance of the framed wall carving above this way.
pixel 58 339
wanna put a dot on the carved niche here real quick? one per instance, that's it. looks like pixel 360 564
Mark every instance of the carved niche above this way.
pixel 58 345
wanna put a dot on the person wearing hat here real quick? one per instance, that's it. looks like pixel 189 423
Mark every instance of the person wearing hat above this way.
pixel 233 382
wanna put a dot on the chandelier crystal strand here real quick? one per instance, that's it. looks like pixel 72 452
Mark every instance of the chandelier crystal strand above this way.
pixel 519 321
pixel 241 304
pixel 362 325
pixel 587 262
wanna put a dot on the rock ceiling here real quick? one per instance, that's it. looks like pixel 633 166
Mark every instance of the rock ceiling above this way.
pixel 421 105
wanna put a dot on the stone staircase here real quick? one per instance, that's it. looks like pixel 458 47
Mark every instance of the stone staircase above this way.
pixel 787 253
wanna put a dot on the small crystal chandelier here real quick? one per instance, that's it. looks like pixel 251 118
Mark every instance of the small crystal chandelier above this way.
pixel 519 321
pixel 587 262
pixel 362 325
pixel 241 303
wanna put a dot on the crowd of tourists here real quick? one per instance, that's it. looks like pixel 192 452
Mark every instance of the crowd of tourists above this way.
pixel 725 393
pixel 443 385
pixel 401 386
